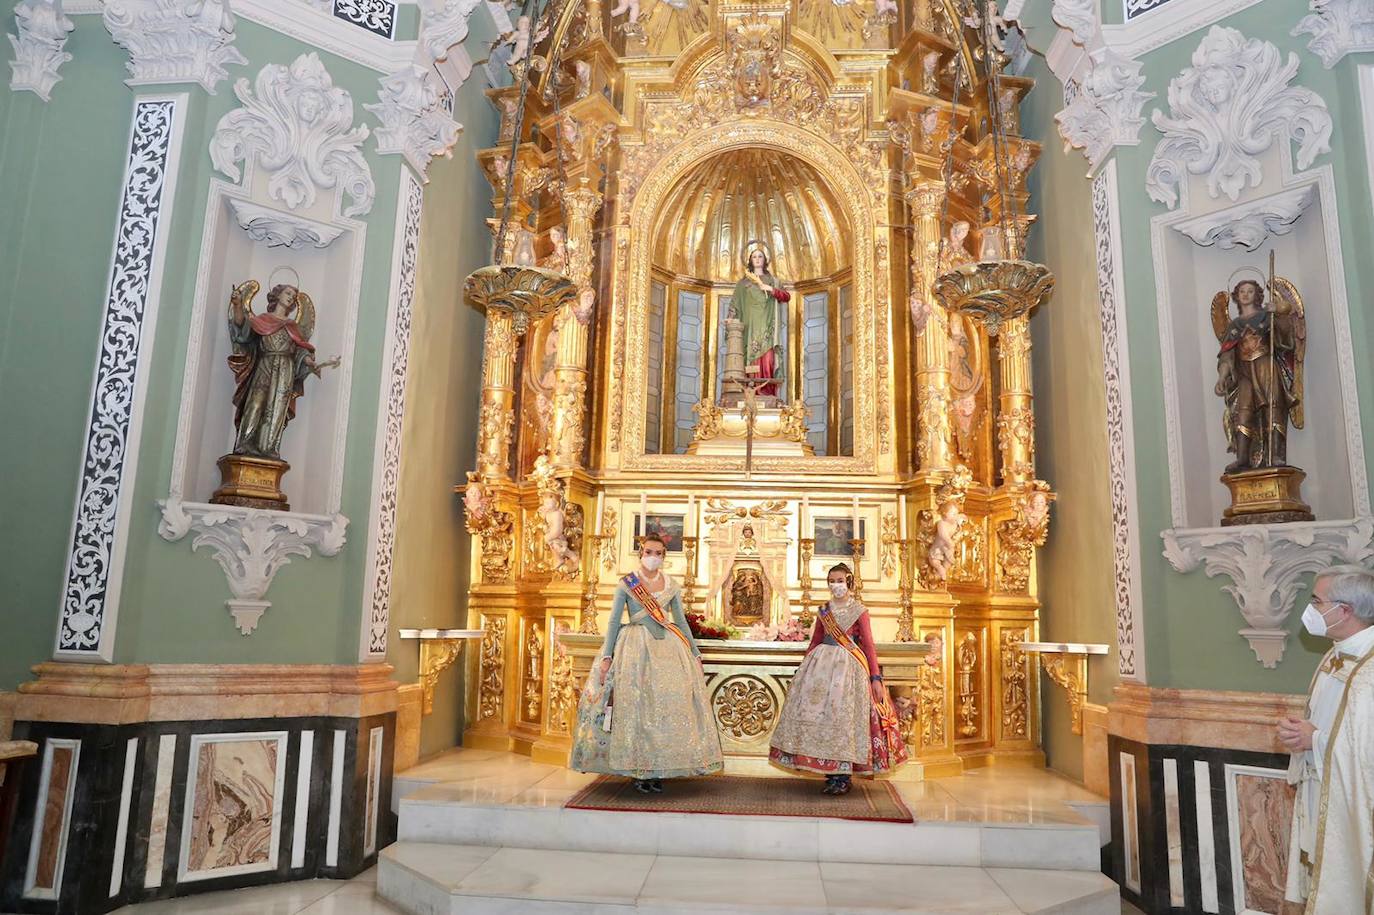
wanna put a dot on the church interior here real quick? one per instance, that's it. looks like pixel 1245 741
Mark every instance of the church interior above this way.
pixel 381 336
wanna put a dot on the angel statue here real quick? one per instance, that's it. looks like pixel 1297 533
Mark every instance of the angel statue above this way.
pixel 272 356
pixel 1259 369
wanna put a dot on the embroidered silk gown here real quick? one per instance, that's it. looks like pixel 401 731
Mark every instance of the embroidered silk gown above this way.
pixel 829 722
pixel 660 724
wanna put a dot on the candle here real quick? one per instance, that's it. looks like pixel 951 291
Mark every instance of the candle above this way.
pixel 600 512
pixel 643 513
pixel 856 518
pixel 691 516
pixel 901 517
pixel 805 514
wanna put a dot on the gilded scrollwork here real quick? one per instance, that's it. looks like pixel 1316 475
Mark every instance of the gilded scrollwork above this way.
pixel 1015 690
pixel 888 541
pixel 562 683
pixel 1018 536
pixel 745 707
pixel 970 555
pixel 610 538
pixel 930 694
pixel 967 673
pixel 492 669
pixel 793 422
pixel 710 420
pixel 533 671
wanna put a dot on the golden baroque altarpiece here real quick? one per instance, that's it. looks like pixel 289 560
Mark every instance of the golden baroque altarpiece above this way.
pixel 854 144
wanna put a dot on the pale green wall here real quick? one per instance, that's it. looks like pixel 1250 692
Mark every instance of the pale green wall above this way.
pixel 1191 624
pixel 172 607
pixel 1075 567
pixel 61 164
pixel 430 571
pixel 60 170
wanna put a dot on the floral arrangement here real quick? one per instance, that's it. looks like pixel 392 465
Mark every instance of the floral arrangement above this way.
pixel 791 631
pixel 704 630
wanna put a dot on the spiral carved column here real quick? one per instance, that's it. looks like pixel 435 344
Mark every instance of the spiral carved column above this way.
pixel 1016 418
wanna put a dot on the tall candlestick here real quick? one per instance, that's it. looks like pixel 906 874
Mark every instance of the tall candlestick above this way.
pixel 600 512
pixel 691 516
pixel 901 517
pixel 643 514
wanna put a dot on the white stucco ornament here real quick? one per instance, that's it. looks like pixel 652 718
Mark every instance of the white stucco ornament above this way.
pixel 1338 28
pixel 298 130
pixel 174 41
pixel 38 47
pixel 1225 112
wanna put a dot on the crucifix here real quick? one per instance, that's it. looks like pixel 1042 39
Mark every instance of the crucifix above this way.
pixel 751 383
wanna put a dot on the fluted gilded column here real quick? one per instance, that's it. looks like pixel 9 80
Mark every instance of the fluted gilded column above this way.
pixel 498 397
pixel 933 451
pixel 580 204
pixel 1016 419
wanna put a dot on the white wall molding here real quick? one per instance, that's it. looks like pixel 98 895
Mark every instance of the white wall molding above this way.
pixel 1170 22
pixel 172 41
pixel 298 130
pixel 38 47
pixel 386 461
pixel 1267 565
pixel 1111 287
pixel 100 528
pixel 1251 223
pixel 250 545
pixel 1226 110
pixel 276 229
pixel 318 28
pixel 1338 28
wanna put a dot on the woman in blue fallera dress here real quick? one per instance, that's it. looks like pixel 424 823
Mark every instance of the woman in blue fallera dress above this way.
pixel 644 712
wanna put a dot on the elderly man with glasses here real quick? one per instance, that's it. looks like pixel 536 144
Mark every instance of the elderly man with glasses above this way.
pixel 1332 842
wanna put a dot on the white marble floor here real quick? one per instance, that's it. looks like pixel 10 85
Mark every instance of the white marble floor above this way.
pixel 1005 796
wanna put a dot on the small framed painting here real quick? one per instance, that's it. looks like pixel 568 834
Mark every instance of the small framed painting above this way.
pixel 833 536
pixel 669 527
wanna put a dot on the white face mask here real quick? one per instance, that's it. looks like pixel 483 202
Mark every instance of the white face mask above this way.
pixel 1314 621
pixel 838 589
pixel 652 563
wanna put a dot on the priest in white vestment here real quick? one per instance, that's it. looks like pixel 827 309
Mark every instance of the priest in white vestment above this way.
pixel 1331 850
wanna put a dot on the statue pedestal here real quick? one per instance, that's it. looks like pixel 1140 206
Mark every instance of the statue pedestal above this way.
pixel 1271 495
pixel 251 482
pixel 725 434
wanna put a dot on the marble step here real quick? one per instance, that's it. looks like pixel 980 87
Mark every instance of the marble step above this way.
pixel 438 879
pixel 440 814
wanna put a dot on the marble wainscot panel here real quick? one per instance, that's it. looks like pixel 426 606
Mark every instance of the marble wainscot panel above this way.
pixel 1199 796
pixel 194 778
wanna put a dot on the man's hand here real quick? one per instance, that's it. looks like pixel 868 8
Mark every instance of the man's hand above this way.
pixel 1296 734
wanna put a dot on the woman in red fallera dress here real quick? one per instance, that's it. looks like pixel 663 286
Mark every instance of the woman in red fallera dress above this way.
pixel 838 718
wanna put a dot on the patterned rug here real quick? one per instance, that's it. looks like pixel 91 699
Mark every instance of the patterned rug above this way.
pixel 743 796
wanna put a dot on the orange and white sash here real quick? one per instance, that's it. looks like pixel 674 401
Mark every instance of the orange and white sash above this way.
pixel 635 586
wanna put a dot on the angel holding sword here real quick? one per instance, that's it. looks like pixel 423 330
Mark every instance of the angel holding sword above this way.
pixel 272 356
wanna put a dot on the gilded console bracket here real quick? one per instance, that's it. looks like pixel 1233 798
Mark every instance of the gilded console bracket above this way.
pixel 439 649
pixel 1067 664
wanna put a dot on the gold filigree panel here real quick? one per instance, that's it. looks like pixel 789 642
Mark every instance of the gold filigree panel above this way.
pixel 491 674
pixel 1015 684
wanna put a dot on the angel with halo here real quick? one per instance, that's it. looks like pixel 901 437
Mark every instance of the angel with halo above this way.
pixel 272 356
pixel 1259 367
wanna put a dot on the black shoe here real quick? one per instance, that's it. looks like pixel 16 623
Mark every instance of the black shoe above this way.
pixel 643 786
pixel 656 786
pixel 829 785
pixel 842 785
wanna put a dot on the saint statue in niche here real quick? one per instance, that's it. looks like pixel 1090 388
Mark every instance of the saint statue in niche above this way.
pixel 757 297
pixel 272 356
pixel 1259 370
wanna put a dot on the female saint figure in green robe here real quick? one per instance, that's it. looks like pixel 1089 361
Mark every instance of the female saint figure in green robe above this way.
pixel 755 304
